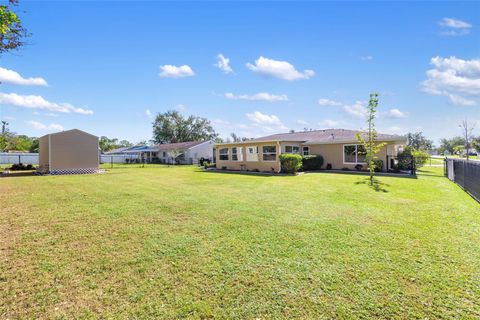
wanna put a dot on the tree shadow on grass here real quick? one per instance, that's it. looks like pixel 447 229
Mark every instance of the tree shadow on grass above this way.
pixel 376 185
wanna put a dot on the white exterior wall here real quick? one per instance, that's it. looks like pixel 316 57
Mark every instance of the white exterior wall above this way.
pixel 204 150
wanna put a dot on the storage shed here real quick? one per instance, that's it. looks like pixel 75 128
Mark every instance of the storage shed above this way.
pixel 68 152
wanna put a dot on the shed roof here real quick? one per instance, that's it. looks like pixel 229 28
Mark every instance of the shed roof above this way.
pixel 66 131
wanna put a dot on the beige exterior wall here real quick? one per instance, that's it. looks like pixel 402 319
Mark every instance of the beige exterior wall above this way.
pixel 332 153
pixel 43 154
pixel 73 150
pixel 260 165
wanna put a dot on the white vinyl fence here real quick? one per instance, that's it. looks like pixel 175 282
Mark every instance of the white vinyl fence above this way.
pixel 120 158
pixel 16 158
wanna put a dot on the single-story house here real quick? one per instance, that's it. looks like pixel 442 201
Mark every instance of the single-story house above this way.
pixel 339 148
pixel 185 152
pixel 67 152
pixel 189 152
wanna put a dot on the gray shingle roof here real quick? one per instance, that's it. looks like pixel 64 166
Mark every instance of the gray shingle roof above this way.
pixel 180 145
pixel 325 136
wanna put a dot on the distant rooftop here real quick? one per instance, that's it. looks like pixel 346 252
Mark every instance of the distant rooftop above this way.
pixel 325 136
pixel 179 145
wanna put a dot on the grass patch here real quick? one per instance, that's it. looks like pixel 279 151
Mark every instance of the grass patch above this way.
pixel 178 242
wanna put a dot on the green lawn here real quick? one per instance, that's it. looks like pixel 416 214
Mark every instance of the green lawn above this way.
pixel 160 242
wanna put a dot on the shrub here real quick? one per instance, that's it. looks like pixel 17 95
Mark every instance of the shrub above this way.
pixel 21 167
pixel 345 169
pixel 290 163
pixel 312 162
pixel 378 165
pixel 329 166
pixel 358 167
pixel 420 158
pixel 407 156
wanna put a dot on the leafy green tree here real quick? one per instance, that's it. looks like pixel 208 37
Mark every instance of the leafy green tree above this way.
pixel 419 142
pixel 369 138
pixel 12 32
pixel 107 144
pixel 448 145
pixel 172 127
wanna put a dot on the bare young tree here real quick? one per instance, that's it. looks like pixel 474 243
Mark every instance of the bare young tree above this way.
pixel 467 130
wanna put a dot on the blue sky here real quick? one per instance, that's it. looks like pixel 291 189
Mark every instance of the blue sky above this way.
pixel 108 67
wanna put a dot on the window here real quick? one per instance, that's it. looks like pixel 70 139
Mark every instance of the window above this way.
pixel 252 153
pixel 292 149
pixel 354 153
pixel 164 154
pixel 269 153
pixel 237 154
pixel 223 154
pixel 306 151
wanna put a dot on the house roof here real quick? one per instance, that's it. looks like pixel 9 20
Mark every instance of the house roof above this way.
pixel 179 145
pixel 325 136
pixel 62 132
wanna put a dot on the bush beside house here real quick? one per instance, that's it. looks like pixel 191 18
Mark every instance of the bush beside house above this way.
pixel 312 162
pixel 290 163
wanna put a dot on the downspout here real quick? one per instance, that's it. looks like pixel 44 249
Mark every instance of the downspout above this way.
pixel 279 152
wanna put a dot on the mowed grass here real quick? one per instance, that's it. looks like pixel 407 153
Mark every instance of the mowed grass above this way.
pixel 177 242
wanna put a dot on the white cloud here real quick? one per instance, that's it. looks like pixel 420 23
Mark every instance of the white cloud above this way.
pixel 38 102
pixel 396 113
pixel 180 107
pixel 223 64
pixel 366 58
pixel 278 69
pixel 40 126
pixel 261 96
pixel 461 101
pixel 302 122
pixel 454 27
pixel 169 71
pixel 51 114
pixel 454 78
pixel 329 103
pixel 358 109
pixel 148 114
pixel 330 123
pixel 262 118
pixel 13 77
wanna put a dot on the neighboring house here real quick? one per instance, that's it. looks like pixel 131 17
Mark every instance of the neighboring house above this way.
pixel 339 147
pixel 181 153
pixel 185 152
pixel 71 151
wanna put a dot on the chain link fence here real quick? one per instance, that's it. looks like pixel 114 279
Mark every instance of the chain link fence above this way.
pixel 466 174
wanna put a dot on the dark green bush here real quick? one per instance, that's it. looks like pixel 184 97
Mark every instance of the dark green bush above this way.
pixel 312 162
pixel 378 165
pixel 290 163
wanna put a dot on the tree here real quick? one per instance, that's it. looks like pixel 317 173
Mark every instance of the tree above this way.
pixel 4 127
pixel 372 147
pixel 12 32
pixel 174 154
pixel 448 145
pixel 107 144
pixel 236 138
pixel 419 142
pixel 467 130
pixel 172 127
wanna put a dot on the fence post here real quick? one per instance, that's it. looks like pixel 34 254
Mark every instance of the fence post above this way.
pixel 19 159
